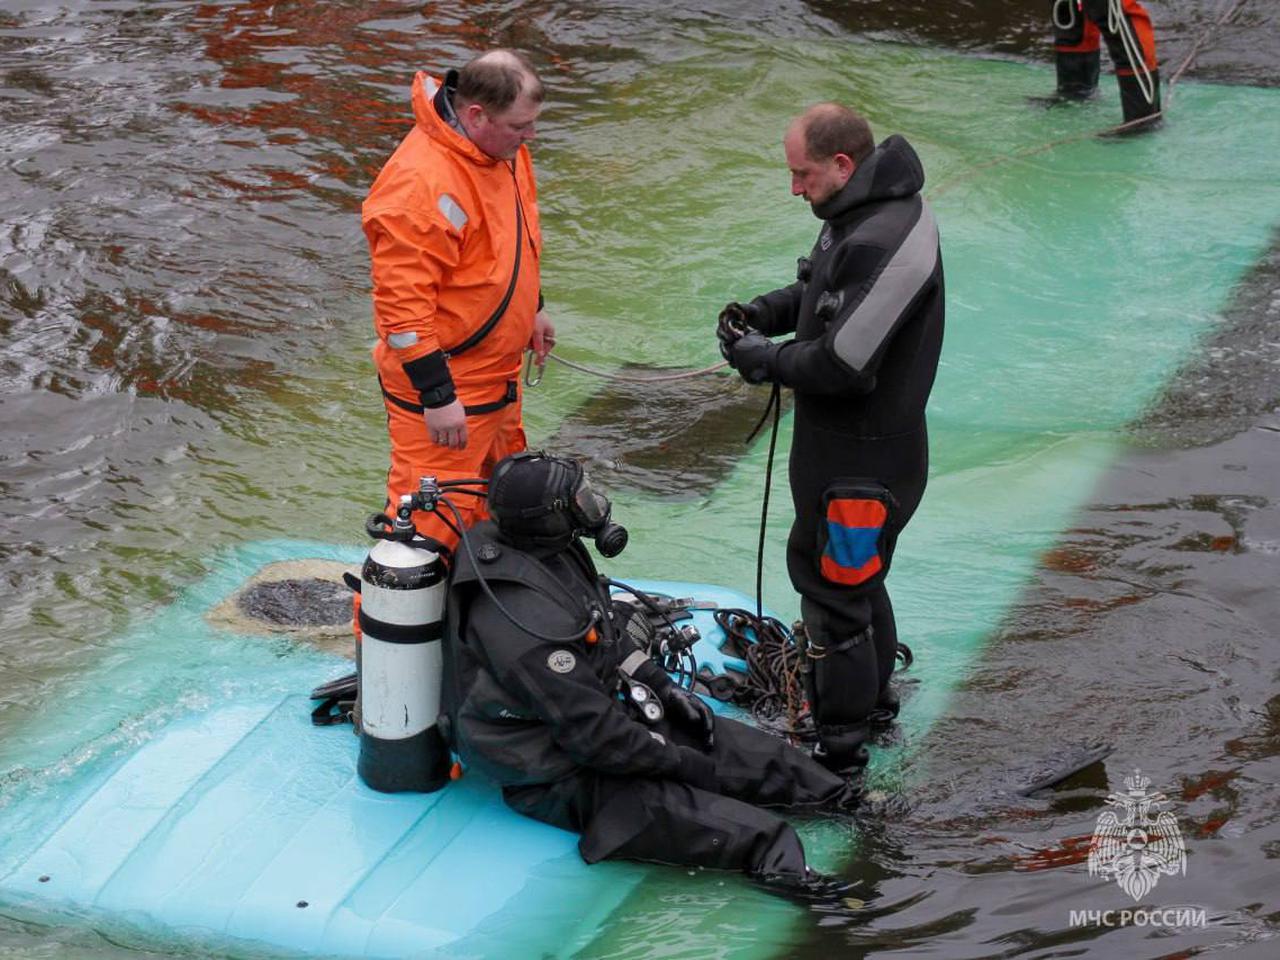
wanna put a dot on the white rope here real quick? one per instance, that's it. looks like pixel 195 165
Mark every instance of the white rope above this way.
pixel 1117 22
pixel 1223 18
pixel 531 381
pixel 624 378
pixel 1071 14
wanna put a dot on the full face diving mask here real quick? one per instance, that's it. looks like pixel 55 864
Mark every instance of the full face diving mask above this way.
pixel 536 498
pixel 591 512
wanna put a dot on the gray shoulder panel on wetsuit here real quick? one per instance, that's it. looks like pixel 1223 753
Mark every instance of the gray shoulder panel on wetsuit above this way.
pixel 876 316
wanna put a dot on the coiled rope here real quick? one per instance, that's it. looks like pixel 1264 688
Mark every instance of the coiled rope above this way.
pixel 772 690
pixel 1117 22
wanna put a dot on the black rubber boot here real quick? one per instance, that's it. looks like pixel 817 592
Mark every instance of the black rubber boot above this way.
pixel 1078 74
pixel 850 799
pixel 810 887
pixel 842 749
pixel 886 711
pixel 1134 103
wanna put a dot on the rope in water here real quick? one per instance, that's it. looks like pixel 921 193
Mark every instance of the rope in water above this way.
pixel 1204 36
pixel 625 378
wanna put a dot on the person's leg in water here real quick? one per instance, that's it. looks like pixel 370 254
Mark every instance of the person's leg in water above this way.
pixel 838 555
pixel 762 769
pixel 885 637
pixel 843 681
pixel 1132 46
pixel 1077 49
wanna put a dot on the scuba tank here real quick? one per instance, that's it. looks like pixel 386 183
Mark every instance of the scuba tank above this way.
pixel 402 593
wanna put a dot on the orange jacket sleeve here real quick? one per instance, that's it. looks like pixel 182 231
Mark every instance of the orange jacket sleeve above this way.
pixel 411 254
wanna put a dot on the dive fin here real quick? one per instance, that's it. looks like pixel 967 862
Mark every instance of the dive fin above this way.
pixel 1072 759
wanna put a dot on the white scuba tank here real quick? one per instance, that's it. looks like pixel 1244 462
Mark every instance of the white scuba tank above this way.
pixel 402 594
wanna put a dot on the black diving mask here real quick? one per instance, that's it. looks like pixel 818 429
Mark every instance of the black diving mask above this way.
pixel 591 513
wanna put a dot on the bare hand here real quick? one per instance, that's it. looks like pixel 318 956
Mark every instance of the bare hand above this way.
pixel 544 337
pixel 447 425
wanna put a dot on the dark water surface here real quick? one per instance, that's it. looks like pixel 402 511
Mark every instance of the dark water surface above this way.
pixel 184 320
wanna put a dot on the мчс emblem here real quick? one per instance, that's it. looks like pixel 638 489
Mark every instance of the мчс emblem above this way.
pixel 1133 847
pixel 561 661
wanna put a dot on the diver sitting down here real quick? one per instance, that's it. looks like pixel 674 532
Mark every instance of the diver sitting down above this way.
pixel 535 655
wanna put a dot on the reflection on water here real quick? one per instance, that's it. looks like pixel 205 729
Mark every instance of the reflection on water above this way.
pixel 183 295
pixel 674 438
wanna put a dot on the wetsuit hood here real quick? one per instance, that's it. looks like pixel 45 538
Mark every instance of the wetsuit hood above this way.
pixel 893 171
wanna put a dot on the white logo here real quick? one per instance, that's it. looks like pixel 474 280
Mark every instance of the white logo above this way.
pixel 1134 848
pixel 824 241
pixel 561 661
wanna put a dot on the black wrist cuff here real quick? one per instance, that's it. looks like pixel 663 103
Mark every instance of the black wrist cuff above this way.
pixel 439 397
pixel 541 302
pixel 430 376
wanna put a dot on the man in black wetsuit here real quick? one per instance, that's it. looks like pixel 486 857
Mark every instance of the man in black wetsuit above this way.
pixel 867 313
pixel 546 692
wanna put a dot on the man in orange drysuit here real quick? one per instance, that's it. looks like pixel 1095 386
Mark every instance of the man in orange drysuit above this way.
pixel 1079 25
pixel 452 225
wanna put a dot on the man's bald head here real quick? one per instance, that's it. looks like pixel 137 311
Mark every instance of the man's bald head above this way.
pixel 497 100
pixel 496 79
pixel 831 128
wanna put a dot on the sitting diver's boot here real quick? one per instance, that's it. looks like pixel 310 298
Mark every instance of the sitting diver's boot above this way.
pixel 849 799
pixel 809 886
pixel 1134 103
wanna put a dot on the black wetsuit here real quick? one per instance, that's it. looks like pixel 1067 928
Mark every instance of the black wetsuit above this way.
pixel 867 312
pixel 542 719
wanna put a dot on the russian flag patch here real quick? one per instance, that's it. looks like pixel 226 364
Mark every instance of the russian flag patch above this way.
pixel 852 555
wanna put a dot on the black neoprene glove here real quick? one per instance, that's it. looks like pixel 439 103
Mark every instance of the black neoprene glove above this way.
pixel 735 320
pixel 754 356
pixel 690 713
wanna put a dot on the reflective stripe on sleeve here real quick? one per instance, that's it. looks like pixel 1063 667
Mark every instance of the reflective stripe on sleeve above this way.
pixel 452 211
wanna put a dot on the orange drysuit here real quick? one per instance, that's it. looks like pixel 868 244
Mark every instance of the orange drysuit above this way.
pixel 454 240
